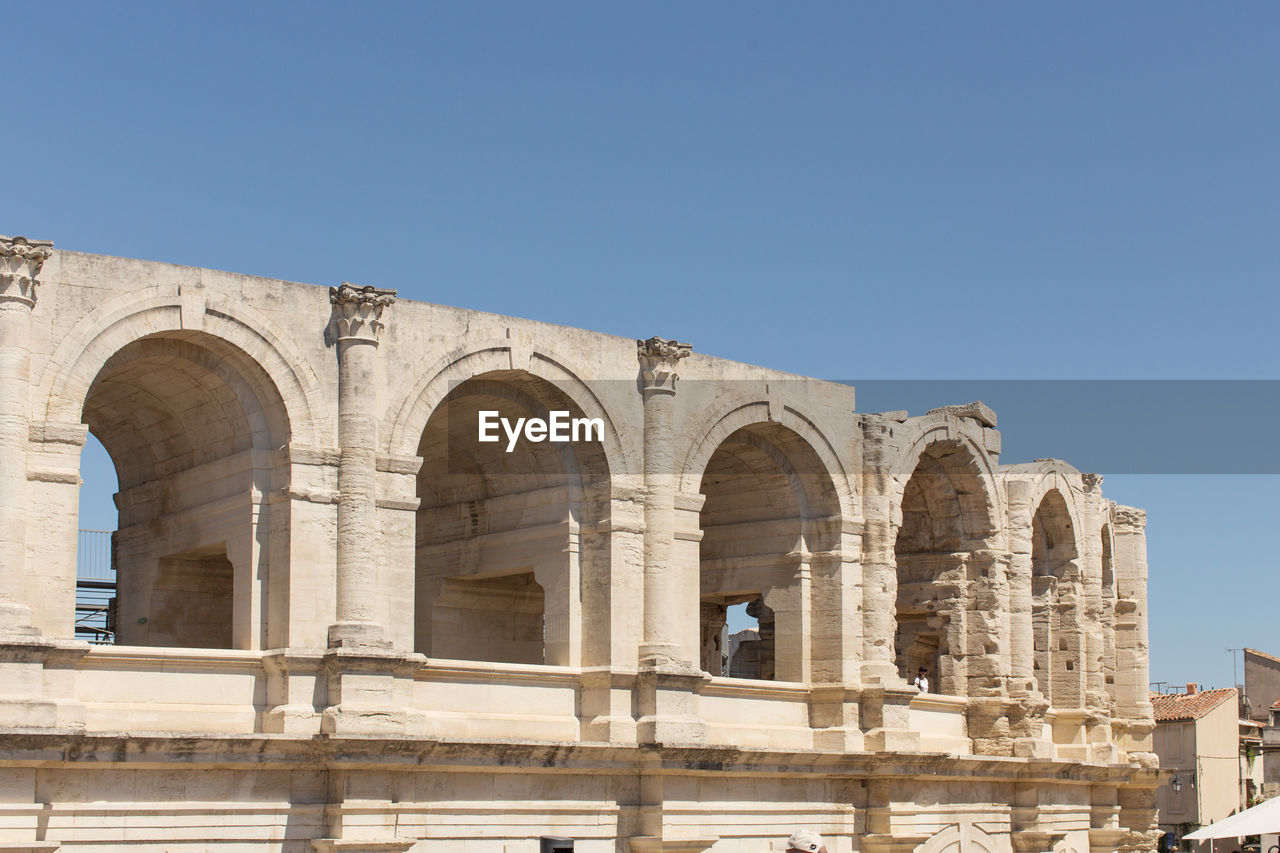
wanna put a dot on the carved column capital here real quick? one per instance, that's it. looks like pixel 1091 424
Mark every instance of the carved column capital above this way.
pixel 1091 482
pixel 659 360
pixel 20 263
pixel 357 311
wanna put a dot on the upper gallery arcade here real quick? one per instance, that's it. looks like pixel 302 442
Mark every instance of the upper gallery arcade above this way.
pixel 302 496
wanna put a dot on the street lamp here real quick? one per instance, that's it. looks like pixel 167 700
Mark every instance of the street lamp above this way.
pixel 1176 784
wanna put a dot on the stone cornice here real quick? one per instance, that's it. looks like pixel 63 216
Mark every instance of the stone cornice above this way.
pixel 659 360
pixel 358 311
pixel 26 747
pixel 20 263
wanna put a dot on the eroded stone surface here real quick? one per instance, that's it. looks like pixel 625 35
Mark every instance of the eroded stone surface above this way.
pixel 346 623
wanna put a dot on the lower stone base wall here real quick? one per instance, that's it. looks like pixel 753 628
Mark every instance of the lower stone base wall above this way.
pixel 174 795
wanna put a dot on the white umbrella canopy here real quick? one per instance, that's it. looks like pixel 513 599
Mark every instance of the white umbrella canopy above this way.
pixel 1262 818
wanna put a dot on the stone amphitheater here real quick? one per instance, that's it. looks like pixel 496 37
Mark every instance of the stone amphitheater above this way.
pixel 342 622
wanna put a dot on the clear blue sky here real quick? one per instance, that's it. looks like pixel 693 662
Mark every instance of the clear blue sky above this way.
pixel 974 190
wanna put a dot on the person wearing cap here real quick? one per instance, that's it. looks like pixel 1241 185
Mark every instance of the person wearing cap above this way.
pixel 805 841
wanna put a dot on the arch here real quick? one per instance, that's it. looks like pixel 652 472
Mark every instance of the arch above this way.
pixel 1110 599
pixel 943 511
pixel 959 838
pixel 965 462
pixel 191 423
pixel 232 331
pixel 1054 549
pixel 409 413
pixel 743 409
pixel 508 539
pixel 770 525
pixel 1056 476
pixel 1058 599
pixel 227 409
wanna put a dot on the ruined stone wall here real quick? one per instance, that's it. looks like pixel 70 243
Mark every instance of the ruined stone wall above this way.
pixel 314 548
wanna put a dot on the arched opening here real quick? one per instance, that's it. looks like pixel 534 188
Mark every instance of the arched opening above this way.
pixel 189 423
pixel 1056 603
pixel 509 532
pixel 95 619
pixel 770 521
pixel 945 519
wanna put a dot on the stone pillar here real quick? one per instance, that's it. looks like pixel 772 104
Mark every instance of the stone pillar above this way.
pixel 37 674
pixel 835 712
pixel 1021 630
pixel 357 318
pixel 788 609
pixel 20 263
pixel 668 680
pixel 1028 704
pixel 879 564
pixel 659 360
pixel 712 623
pixel 885 698
pixel 1133 705
pixel 53 485
pixel 368 685
pixel 1092 549
pixel 1138 816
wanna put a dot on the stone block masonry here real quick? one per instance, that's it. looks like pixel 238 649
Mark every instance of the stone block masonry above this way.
pixel 346 622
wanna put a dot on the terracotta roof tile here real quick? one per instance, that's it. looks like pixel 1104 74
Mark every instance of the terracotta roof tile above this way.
pixel 1180 706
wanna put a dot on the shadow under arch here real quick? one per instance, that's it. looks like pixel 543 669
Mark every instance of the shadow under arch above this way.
pixel 193 426
pixel 744 409
pixel 408 415
pixel 771 523
pixel 511 555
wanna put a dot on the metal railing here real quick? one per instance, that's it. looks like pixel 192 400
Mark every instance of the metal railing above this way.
pixel 95 588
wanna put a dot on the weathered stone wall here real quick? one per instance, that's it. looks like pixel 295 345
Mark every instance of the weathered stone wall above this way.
pixel 347 624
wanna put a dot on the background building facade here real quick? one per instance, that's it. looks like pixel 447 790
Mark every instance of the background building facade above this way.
pixel 1198 740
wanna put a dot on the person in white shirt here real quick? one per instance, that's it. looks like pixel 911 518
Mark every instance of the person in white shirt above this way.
pixel 922 680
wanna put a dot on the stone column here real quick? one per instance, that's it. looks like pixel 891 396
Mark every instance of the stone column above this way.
pixel 368 684
pixel 879 563
pixel 659 360
pixel 37 674
pixel 1096 697
pixel 20 263
pixel 358 319
pixel 885 698
pixel 1133 703
pixel 1021 626
pixel 668 680
pixel 1132 678
pixel 1027 705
